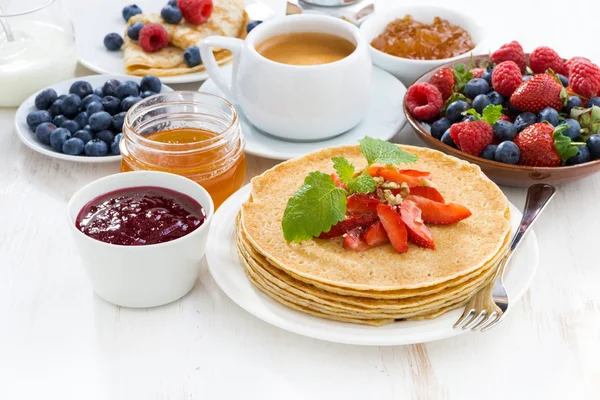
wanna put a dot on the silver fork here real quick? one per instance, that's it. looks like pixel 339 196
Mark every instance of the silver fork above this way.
pixel 488 306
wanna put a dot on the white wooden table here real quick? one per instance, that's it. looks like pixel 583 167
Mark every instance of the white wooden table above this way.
pixel 60 341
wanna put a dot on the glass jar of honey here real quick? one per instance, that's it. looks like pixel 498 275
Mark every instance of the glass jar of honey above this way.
pixel 193 134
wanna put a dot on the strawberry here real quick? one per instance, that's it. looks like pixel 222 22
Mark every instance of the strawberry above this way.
pixel 338 182
pixel 362 203
pixel 394 227
pixel 153 37
pixel 512 51
pixel 542 145
pixel 391 174
pixel 351 222
pixel 196 12
pixel 375 235
pixel 439 213
pixel 444 80
pixel 428 192
pixel 418 233
pixel 539 92
pixel 353 241
pixel 417 173
pixel 477 72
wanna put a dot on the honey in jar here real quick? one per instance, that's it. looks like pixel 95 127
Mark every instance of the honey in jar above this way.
pixel 407 38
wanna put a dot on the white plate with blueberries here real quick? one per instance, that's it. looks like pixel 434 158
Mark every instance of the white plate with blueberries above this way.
pixel 81 119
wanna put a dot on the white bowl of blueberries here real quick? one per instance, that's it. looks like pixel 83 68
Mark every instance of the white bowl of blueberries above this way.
pixel 82 119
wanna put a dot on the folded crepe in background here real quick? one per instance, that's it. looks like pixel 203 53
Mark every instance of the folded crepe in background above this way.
pixel 227 19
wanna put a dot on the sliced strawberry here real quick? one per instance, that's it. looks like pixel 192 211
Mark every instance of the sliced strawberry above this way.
pixel 337 181
pixel 391 174
pixel 375 235
pixel 428 192
pixel 353 241
pixel 416 173
pixel 362 203
pixel 394 227
pixel 351 222
pixel 418 233
pixel 439 213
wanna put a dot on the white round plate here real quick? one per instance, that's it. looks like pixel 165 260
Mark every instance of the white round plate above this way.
pixel 384 119
pixel 228 272
pixel 28 136
pixel 92 27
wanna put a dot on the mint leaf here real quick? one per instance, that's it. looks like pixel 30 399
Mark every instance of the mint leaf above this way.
pixel 462 75
pixel 471 111
pixel 344 168
pixel 564 147
pixel 491 114
pixel 362 184
pixel 380 151
pixel 314 208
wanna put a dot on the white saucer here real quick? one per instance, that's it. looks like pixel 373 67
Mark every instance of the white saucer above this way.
pixel 227 271
pixel 384 119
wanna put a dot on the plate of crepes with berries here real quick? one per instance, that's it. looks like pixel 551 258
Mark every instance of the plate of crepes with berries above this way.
pixel 522 117
pixel 158 38
pixel 373 244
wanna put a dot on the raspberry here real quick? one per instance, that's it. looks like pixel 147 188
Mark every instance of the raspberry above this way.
pixel 455 131
pixel 153 37
pixel 512 51
pixel 196 11
pixel 475 136
pixel 506 78
pixel 477 72
pixel 504 118
pixel 544 58
pixel 570 62
pixel 424 101
pixel 584 77
pixel 444 80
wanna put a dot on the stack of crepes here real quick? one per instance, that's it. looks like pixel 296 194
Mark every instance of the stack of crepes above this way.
pixel 227 19
pixel 377 286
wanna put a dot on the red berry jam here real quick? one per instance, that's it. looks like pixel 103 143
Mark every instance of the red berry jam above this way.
pixel 140 216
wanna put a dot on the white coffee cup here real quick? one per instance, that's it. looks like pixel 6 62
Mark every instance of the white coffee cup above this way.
pixel 295 102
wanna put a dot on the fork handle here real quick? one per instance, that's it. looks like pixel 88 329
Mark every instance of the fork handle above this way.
pixel 538 196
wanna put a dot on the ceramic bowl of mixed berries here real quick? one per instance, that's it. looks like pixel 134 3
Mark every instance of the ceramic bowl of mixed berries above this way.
pixel 523 118
pixel 82 119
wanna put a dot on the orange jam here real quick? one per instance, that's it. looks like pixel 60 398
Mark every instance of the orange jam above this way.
pixel 407 38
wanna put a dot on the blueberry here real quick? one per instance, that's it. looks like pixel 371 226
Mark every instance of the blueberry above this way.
pixel 113 41
pixel 96 148
pixel 504 130
pixel 71 126
pixel 574 128
pixel 45 99
pixel 171 15
pixel 489 152
pixel 81 118
pixel 71 105
pixel 110 87
pixel 81 89
pixel 468 118
pixel 480 102
pixel 93 108
pixel 114 146
pixel 84 135
pixel 439 127
pixel 593 145
pixel 475 87
pixel 455 110
pixel 128 102
pixel 447 139
pixel 487 75
pixel 111 104
pixel 496 98
pixel 134 30
pixel 508 153
pixel 524 120
pixel 582 156
pixel 513 110
pixel 61 97
pixel 58 137
pixel 252 24
pixel 99 92
pixel 73 147
pixel 106 136
pixel 59 119
pixel 526 78
pixel 172 3
pixel 191 56
pixel 128 88
pixel 117 121
pixel 37 117
pixel 549 115
pixel 43 131
pixel 88 99
pixel 100 121
pixel 594 101
pixel 147 93
pixel 88 128
pixel 129 11
pixel 56 108
pixel 564 80
pixel 150 83
pixel 572 101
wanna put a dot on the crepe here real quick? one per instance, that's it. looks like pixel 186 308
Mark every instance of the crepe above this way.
pixel 227 19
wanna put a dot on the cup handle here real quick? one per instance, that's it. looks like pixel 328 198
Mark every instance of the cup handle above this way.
pixel 235 47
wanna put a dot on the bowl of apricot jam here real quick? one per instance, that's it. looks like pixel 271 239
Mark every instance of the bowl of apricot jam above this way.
pixel 408 41
pixel 141 235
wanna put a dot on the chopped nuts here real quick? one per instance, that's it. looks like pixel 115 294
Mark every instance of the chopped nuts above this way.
pixel 390 185
pixel 404 190
pixel 426 182
pixel 391 199
pixel 378 179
